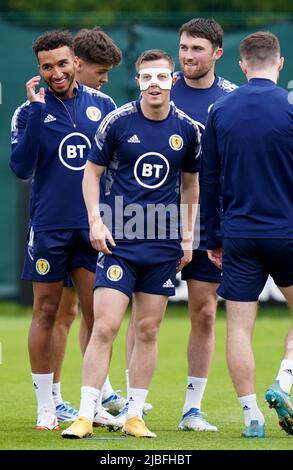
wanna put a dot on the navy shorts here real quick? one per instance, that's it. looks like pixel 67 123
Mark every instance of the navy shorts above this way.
pixel 201 268
pixel 118 273
pixel 51 255
pixel 68 281
pixel 247 264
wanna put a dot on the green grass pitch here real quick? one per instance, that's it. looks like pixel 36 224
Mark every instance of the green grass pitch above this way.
pixel 166 394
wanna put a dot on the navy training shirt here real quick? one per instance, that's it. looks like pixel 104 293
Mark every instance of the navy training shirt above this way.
pixel 249 142
pixel 144 159
pixel 50 142
pixel 197 102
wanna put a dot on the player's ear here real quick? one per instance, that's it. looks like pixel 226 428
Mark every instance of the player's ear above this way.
pixel 218 53
pixel 76 62
pixel 281 64
pixel 174 79
pixel 243 67
pixel 136 81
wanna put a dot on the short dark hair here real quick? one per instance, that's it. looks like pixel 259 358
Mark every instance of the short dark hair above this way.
pixel 95 46
pixel 206 28
pixel 154 54
pixel 53 40
pixel 260 48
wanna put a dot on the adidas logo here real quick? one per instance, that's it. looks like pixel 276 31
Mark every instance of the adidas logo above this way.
pixel 35 386
pixel 246 408
pixel 289 371
pixel 190 387
pixel 131 399
pixel 49 118
pixel 101 260
pixel 134 139
pixel 168 283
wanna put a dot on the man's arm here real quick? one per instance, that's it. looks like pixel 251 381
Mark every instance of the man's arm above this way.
pixel 210 192
pixel 99 233
pixel 25 132
pixel 188 210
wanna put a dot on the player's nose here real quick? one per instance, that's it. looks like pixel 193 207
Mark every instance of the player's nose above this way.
pixel 104 78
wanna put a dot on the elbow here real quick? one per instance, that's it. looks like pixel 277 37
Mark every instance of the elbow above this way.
pixel 21 173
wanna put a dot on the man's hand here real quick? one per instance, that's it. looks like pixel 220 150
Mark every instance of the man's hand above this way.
pixel 215 256
pixel 32 96
pixel 187 256
pixel 99 234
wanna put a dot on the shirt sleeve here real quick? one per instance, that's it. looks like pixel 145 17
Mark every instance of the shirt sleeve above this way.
pixel 25 138
pixel 191 161
pixel 210 184
pixel 104 143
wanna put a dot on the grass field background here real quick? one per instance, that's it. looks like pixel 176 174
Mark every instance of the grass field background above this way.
pixel 167 391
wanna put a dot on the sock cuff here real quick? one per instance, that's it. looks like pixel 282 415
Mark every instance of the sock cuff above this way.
pixel 43 376
pixel 141 392
pixel 286 363
pixel 196 380
pixel 247 398
pixel 90 391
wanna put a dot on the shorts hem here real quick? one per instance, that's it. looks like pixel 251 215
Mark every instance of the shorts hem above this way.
pixel 92 270
pixel 234 299
pixel 96 286
pixel 149 291
pixel 41 280
pixel 284 284
pixel 194 278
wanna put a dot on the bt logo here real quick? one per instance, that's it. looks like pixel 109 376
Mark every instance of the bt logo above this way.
pixel 151 170
pixel 73 151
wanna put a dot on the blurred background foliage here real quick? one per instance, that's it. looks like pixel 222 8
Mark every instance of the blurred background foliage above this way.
pixel 73 13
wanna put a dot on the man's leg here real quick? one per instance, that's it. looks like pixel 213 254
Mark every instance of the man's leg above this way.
pixel 46 300
pixel 110 399
pixel 202 303
pixel 129 343
pixel 109 308
pixel 84 334
pixel 149 312
pixel 278 395
pixel 67 312
pixel 84 282
pixel 241 318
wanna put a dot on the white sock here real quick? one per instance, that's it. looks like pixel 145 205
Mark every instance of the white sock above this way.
pixel 43 384
pixel 251 410
pixel 107 388
pixel 194 392
pixel 56 390
pixel 89 397
pixel 99 402
pixel 136 401
pixel 127 382
pixel 285 375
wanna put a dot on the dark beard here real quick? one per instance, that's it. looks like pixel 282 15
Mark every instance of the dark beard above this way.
pixel 198 77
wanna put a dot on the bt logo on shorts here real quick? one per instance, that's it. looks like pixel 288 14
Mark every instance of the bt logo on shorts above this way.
pixel 151 170
pixel 73 151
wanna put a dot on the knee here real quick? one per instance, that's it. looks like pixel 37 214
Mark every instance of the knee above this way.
pixel 147 330
pixel 66 317
pixel 104 332
pixel 44 313
pixel 204 317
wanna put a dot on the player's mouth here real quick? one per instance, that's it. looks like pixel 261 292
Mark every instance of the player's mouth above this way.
pixel 154 93
pixel 190 64
pixel 59 83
